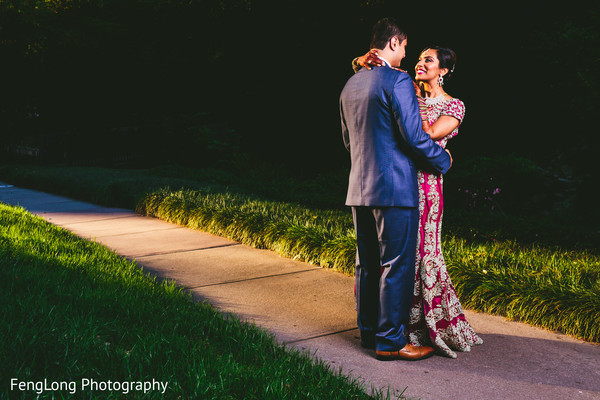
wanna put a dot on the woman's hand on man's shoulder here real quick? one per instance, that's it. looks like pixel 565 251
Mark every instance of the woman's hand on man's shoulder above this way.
pixel 369 60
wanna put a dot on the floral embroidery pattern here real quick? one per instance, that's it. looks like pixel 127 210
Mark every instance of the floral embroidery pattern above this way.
pixel 437 317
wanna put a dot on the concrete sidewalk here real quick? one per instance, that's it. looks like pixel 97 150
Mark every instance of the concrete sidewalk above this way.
pixel 313 308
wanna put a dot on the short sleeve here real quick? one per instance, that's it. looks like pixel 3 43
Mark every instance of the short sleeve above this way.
pixel 454 108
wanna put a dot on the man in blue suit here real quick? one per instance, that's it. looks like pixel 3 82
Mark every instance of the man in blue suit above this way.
pixel 382 130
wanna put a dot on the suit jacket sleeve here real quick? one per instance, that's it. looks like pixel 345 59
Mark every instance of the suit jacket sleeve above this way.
pixel 406 113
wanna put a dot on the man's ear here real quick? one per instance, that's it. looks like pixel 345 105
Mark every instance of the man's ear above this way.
pixel 394 43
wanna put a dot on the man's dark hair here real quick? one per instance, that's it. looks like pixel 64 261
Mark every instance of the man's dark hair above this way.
pixel 383 31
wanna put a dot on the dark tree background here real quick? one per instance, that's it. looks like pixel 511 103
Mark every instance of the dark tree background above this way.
pixel 273 70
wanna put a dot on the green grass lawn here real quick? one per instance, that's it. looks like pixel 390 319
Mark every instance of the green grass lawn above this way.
pixel 541 284
pixel 73 311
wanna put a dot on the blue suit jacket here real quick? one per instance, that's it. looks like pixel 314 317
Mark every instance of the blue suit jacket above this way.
pixel 382 129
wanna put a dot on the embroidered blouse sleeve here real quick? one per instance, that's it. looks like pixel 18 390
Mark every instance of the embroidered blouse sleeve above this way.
pixel 454 108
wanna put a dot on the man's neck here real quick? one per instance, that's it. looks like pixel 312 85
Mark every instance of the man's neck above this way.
pixel 385 61
pixel 387 55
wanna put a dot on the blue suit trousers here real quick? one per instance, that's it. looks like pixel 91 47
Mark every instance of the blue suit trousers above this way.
pixel 385 273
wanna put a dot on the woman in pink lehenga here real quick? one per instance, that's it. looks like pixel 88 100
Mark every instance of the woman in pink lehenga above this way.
pixel 436 318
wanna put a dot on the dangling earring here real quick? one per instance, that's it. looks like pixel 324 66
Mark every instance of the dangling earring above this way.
pixel 441 80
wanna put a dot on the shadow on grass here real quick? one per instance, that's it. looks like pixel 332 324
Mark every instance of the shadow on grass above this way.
pixel 74 310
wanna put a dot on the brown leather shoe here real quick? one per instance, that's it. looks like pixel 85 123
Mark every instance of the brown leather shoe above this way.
pixel 408 352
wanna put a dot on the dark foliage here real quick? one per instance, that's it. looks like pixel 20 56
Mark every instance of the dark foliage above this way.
pixel 207 83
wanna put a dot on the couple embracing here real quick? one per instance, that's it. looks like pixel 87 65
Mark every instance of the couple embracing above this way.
pixel 396 133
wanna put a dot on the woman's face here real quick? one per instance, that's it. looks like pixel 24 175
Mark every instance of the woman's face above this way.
pixel 428 66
